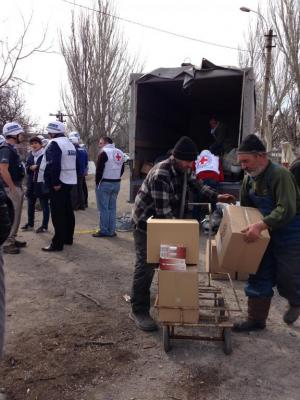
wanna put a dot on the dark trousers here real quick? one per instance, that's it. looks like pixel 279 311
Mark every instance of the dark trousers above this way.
pixel 63 218
pixel 279 267
pixel 77 195
pixel 44 201
pixel 85 192
pixel 143 275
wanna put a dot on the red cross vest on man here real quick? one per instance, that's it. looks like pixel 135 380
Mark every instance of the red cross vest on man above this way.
pixel 114 163
pixel 208 166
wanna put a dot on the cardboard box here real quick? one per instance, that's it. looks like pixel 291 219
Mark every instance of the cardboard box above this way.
pixel 234 254
pixel 178 299
pixel 184 232
pixel 214 263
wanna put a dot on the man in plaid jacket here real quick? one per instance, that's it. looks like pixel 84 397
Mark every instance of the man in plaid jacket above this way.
pixel 160 197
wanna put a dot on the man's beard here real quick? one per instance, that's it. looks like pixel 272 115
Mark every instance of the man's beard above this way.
pixel 256 172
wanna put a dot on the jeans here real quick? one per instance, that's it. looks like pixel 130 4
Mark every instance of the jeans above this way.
pixel 2 304
pixel 44 201
pixel 63 218
pixel 143 275
pixel 106 194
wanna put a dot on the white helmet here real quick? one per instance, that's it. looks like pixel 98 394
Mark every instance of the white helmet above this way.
pixel 74 139
pixel 2 139
pixel 55 127
pixel 12 129
pixel 74 134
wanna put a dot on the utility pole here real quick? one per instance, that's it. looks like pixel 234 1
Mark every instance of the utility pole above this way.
pixel 60 116
pixel 269 45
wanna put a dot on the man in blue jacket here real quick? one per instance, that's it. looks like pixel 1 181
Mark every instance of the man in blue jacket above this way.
pixel 77 194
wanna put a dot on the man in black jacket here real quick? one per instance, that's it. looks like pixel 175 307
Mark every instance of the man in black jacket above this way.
pixel 59 175
pixel 12 173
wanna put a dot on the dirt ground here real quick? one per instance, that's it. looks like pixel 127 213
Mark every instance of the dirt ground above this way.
pixel 69 336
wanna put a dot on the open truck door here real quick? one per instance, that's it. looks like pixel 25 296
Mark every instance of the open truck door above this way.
pixel 168 103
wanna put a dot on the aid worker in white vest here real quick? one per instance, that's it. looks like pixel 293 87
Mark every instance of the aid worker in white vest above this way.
pixel 109 169
pixel 208 168
pixel 58 171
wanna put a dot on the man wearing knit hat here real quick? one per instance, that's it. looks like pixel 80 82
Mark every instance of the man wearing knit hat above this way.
pixel 273 190
pixel 160 197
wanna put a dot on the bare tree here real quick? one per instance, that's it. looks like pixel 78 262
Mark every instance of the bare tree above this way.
pixel 12 55
pixel 283 103
pixel 98 67
pixel 12 106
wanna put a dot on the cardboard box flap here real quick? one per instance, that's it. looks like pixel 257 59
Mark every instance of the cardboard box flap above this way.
pixel 240 217
pixel 234 253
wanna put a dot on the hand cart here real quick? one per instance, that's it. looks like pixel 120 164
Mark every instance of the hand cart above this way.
pixel 215 312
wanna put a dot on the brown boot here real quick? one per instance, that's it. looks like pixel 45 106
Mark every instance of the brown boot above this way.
pixel 258 310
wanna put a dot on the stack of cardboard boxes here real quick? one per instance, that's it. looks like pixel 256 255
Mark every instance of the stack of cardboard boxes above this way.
pixel 174 244
pixel 177 288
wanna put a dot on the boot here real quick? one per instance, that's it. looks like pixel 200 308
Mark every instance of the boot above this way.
pixel 143 321
pixel 11 249
pixel 291 315
pixel 258 310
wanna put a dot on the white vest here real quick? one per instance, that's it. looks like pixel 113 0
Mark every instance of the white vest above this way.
pixel 68 173
pixel 114 163
pixel 206 161
pixel 43 165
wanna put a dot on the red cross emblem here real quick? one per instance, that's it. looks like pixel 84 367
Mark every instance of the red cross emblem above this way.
pixel 118 157
pixel 203 160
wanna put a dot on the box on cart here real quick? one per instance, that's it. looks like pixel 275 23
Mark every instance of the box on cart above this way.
pixel 234 254
pixel 173 232
pixel 216 271
pixel 178 299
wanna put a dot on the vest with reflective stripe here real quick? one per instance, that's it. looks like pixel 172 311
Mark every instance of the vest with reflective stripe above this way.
pixel 68 173
pixel 206 161
pixel 114 163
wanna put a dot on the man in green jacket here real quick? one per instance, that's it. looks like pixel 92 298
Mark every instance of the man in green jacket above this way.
pixel 273 190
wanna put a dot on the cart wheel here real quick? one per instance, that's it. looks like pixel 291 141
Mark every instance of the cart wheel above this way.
pixel 227 342
pixel 166 338
pixel 221 303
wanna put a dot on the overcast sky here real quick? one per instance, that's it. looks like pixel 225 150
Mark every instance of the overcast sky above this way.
pixel 216 21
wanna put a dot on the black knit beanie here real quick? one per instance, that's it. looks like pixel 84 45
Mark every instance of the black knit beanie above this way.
pixel 251 144
pixel 185 149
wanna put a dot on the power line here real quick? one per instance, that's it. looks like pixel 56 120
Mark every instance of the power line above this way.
pixel 155 28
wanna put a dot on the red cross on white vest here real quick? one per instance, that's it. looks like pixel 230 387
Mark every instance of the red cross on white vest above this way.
pixel 118 157
pixel 203 160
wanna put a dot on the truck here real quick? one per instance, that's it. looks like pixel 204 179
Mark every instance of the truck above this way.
pixel 168 103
